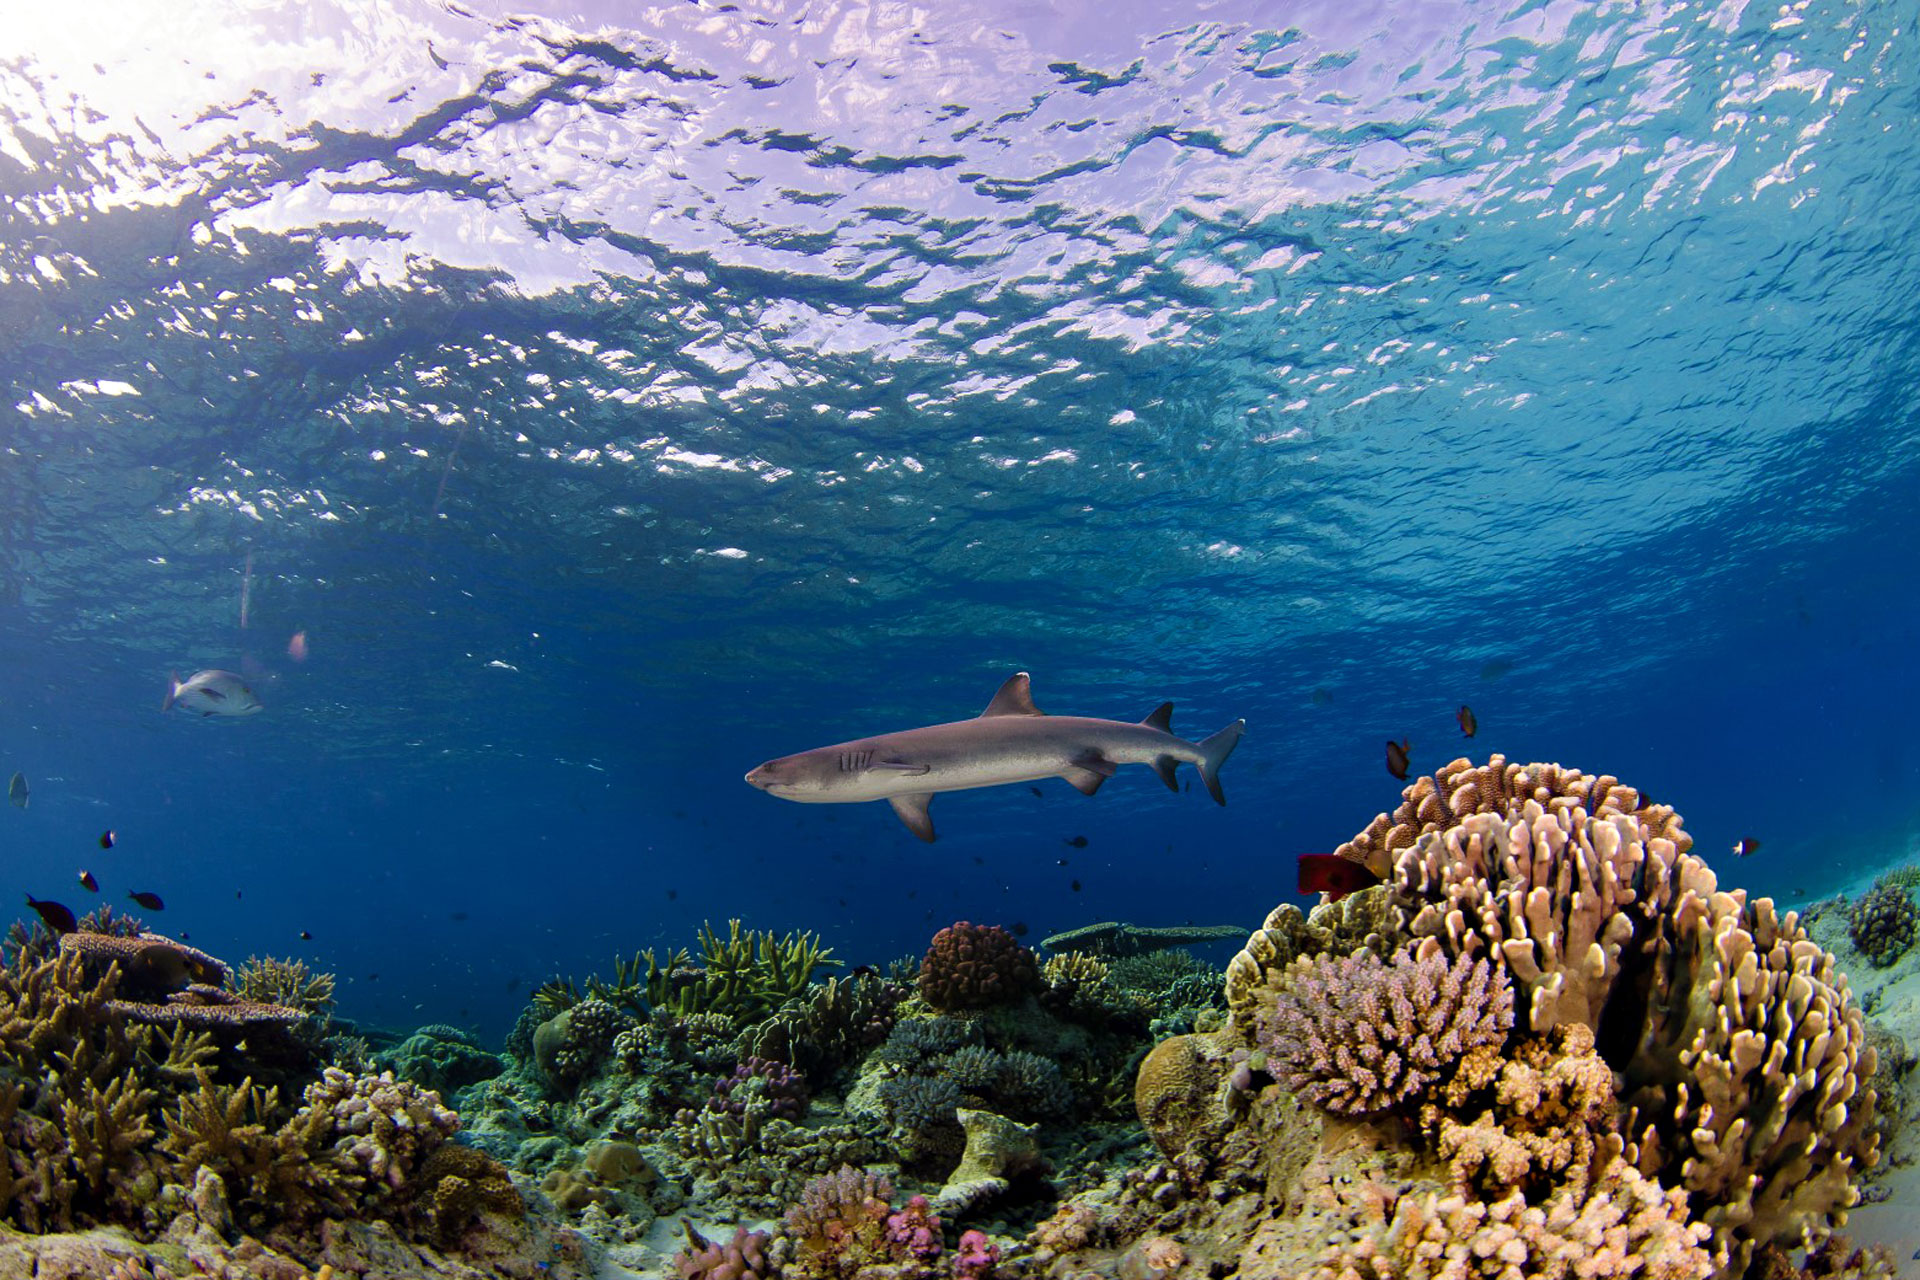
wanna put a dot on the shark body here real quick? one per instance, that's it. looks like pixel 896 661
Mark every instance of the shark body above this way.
pixel 1011 741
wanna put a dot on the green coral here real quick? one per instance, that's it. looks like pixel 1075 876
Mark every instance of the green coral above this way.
pixel 744 977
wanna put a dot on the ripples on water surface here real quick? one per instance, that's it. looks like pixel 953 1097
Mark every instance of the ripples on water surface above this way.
pixel 618 397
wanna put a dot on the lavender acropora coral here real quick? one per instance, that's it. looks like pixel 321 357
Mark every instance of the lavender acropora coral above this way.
pixel 780 1091
pixel 1359 1035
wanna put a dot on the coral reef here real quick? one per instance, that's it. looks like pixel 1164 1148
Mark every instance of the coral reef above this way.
pixel 1884 923
pixel 973 966
pixel 1683 1087
pixel 442 1058
pixel 267 980
pixel 781 1091
pixel 573 1042
pixel 744 1257
pixel 1355 1034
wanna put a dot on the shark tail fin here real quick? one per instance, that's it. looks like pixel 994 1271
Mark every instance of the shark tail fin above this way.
pixel 1214 752
pixel 173 690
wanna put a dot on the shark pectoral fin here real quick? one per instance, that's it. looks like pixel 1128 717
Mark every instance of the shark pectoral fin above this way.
pixel 1165 767
pixel 913 811
pixel 1085 779
pixel 901 767
pixel 1014 699
pixel 1088 772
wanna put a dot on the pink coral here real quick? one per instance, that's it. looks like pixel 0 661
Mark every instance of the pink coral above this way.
pixel 1358 1035
pixel 914 1231
pixel 976 1257
pixel 742 1258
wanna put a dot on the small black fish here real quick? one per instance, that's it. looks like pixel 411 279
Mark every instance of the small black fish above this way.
pixel 863 971
pixel 106 839
pixel 1018 929
pixel 57 917
pixel 979 861
pixel 841 901
pixel 1469 723
pixel 1745 847
pixel 1037 791
pixel 456 916
pixel 672 895
pixel 1397 758
pixel 151 901
pixel 184 935
pixel 373 977
pixel 513 984
pixel 305 936
pixel 88 883
pixel 17 790
pixel 1076 886
pixel 236 895
pixel 1078 842
pixel 1059 862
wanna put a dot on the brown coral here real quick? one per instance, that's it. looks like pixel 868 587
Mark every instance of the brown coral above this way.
pixel 151 967
pixel 1358 1035
pixel 976 966
pixel 1461 788
pixel 456 1184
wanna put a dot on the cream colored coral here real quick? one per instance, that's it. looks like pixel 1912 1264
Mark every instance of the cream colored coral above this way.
pixel 1627 1229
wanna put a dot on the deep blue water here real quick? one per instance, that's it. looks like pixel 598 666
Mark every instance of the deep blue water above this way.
pixel 616 397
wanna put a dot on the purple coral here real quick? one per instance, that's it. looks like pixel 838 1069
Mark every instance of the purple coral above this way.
pixel 914 1231
pixel 976 1257
pixel 976 966
pixel 783 1090
pixel 1359 1035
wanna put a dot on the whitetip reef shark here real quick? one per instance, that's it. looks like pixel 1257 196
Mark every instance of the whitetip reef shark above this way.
pixel 1011 741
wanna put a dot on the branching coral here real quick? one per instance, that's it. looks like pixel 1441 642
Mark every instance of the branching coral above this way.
pixel 973 966
pixel 266 980
pixel 841 1224
pixel 1627 1228
pixel 1359 1035
pixel 778 1090
pixel 744 1257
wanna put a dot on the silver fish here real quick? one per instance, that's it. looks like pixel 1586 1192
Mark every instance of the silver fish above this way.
pixel 17 790
pixel 211 693
pixel 1011 741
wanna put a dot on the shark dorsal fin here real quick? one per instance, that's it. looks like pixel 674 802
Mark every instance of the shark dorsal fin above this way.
pixel 1014 699
pixel 1161 718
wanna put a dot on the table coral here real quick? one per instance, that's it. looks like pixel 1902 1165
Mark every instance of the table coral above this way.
pixel 1356 1034
pixel 976 966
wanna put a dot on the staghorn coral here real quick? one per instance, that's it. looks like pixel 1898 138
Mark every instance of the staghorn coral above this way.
pixel 1884 923
pixel 267 980
pixel 971 966
pixel 1358 1035
pixel 828 1027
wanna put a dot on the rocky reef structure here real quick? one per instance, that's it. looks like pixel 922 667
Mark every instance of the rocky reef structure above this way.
pixel 154 1106
pixel 1684 1089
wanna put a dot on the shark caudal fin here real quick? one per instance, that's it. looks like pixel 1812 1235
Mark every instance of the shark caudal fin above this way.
pixel 1214 752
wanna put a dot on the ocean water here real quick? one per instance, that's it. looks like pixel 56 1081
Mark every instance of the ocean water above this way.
pixel 614 397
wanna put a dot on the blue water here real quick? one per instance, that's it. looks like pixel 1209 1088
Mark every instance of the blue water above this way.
pixel 617 397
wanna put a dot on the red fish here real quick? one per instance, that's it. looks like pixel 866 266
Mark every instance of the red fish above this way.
pixel 1468 724
pixel 1333 875
pixel 1745 847
pixel 1397 758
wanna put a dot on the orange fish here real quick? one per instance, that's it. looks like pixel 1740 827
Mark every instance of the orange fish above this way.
pixel 1468 724
pixel 1333 875
pixel 1397 758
